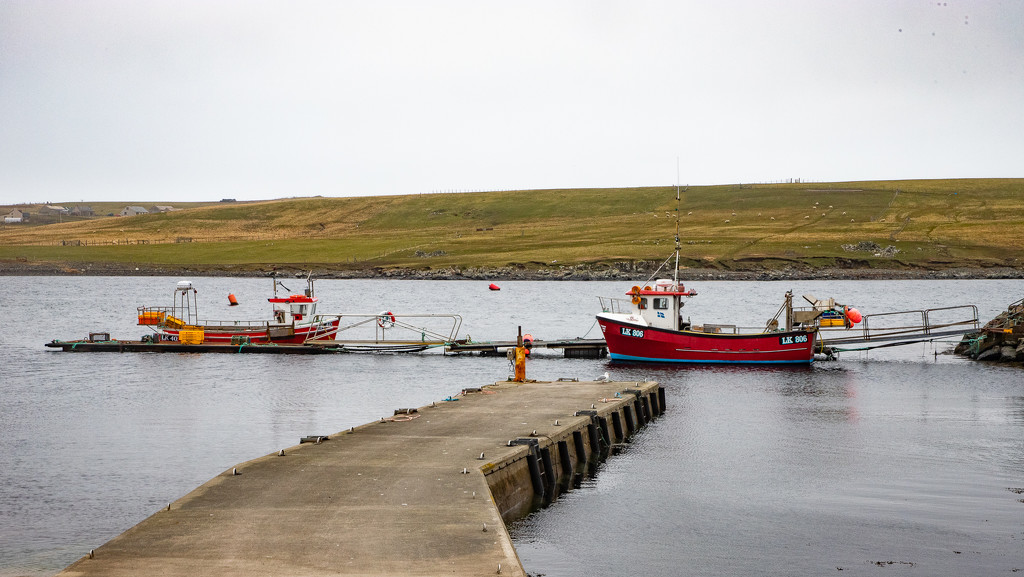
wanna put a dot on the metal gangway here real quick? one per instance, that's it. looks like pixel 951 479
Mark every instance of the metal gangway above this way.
pixel 904 327
pixel 384 332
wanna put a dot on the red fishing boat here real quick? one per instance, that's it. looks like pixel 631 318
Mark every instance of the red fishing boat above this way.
pixel 649 327
pixel 294 321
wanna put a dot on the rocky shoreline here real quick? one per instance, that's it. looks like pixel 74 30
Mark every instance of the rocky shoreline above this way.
pixel 626 271
pixel 999 340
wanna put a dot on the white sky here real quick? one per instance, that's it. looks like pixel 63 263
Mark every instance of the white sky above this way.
pixel 202 100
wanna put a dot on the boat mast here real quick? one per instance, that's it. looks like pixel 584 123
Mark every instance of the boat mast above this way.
pixel 675 272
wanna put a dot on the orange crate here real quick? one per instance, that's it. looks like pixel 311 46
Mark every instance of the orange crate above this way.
pixel 151 318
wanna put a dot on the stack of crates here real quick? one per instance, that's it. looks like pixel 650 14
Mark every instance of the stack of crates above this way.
pixel 832 318
pixel 191 335
pixel 151 317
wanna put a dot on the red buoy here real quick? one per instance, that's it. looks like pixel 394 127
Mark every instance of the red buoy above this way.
pixel 232 300
pixel 494 287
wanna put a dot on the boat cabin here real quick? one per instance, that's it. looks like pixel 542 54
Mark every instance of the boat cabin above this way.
pixel 293 308
pixel 661 306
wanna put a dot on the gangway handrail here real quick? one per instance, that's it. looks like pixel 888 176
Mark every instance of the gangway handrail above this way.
pixel 327 330
pixel 926 329
pixel 927 312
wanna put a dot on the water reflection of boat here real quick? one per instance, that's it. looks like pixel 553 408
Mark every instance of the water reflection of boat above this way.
pixel 294 320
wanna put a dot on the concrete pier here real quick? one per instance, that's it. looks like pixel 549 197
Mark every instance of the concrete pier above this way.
pixel 424 491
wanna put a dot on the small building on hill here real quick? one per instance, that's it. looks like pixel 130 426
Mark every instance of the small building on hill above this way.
pixel 82 210
pixel 54 209
pixel 161 208
pixel 133 211
pixel 15 216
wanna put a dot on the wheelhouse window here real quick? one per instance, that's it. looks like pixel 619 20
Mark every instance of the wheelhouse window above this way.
pixel 661 303
pixel 643 304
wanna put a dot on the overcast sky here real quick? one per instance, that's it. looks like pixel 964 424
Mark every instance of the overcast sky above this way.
pixel 201 100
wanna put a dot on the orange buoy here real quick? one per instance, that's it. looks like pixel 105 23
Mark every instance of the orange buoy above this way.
pixel 494 287
pixel 853 314
pixel 232 300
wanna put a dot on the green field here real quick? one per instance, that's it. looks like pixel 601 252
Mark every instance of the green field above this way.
pixel 933 224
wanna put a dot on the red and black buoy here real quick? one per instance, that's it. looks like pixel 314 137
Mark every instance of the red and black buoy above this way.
pixel 494 287
pixel 232 300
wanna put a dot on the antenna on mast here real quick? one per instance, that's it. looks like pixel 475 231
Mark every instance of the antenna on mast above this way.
pixel 675 272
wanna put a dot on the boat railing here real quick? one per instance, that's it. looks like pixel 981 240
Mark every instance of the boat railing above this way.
pixel 615 305
pixel 718 329
pixel 386 328
pixel 173 316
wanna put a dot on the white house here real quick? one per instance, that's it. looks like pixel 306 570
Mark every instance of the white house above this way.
pixel 133 210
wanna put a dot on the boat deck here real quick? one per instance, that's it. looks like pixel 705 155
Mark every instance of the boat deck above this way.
pixel 116 346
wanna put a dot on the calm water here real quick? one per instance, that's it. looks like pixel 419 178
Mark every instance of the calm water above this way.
pixel 898 460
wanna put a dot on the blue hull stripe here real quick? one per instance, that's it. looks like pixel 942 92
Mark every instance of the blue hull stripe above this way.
pixel 619 357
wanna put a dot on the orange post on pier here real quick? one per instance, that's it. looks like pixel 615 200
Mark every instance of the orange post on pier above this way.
pixel 520 359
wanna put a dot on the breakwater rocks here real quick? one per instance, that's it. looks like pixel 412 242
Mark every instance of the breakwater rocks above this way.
pixel 629 271
pixel 1000 340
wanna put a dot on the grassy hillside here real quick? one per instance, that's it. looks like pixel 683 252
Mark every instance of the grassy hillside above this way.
pixel 932 224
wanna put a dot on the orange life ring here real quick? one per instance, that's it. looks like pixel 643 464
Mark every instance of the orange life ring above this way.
pixel 386 320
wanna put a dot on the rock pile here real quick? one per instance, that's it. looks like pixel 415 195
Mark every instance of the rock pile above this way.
pixel 872 247
pixel 999 340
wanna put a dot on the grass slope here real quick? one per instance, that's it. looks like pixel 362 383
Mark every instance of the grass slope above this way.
pixel 933 223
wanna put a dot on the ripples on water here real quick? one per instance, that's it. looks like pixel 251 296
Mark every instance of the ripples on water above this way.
pixel 896 455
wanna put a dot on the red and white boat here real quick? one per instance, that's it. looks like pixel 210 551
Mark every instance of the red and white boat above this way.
pixel 294 321
pixel 649 327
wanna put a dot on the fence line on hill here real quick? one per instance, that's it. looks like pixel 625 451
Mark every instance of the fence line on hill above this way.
pixel 143 241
